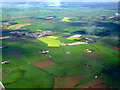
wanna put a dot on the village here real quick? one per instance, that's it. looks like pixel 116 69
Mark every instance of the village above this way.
pixel 37 34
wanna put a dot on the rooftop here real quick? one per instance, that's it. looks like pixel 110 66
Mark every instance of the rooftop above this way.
pixel 76 36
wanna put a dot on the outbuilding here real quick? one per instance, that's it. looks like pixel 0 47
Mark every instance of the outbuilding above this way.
pixel 76 36
pixel 87 50
pixel 44 51
pixel 5 62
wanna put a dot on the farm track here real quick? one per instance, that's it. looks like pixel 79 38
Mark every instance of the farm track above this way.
pixel 4 74
pixel 20 71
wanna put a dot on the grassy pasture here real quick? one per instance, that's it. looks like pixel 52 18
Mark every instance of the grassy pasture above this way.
pixel 56 70
pixel 110 80
pixel 29 50
pixel 20 84
pixel 66 65
pixel 39 78
pixel 35 75
pixel 14 62
pixel 11 77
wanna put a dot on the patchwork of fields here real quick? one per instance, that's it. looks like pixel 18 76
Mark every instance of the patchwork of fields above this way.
pixel 65 70
pixel 88 61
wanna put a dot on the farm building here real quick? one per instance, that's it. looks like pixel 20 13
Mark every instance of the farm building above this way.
pixel 111 17
pixel 117 14
pixel 68 52
pixel 3 46
pixel 63 44
pixel 44 51
pixel 87 50
pixel 76 43
pixel 76 36
pixel 5 62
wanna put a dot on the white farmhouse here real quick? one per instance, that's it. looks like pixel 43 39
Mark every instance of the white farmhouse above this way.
pixel 117 14
pixel 76 36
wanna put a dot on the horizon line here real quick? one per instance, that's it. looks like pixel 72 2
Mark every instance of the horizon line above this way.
pixel 62 1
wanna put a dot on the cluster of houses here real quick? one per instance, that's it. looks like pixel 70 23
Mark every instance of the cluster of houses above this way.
pixel 115 17
pixel 90 19
pixel 91 39
pixel 5 62
pixel 37 34
pixel 3 46
pixel 104 17
pixel 5 23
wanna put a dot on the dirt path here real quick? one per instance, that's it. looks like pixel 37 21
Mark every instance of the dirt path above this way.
pixel 4 74
pixel 20 71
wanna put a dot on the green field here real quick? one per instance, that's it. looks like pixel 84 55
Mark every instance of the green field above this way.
pixel 63 66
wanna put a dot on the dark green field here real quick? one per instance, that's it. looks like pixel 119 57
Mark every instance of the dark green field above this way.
pixel 64 66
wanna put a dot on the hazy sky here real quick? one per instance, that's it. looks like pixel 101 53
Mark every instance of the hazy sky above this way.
pixel 61 0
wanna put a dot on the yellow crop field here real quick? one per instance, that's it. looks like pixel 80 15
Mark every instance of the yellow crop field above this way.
pixel 17 26
pixel 71 38
pixel 49 17
pixel 52 37
pixel 50 42
pixel 65 19
pixel 5 37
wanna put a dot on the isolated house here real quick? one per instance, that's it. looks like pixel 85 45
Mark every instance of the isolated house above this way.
pixel 5 62
pixel 87 50
pixel 117 14
pixel 44 51
pixel 68 52
pixel 76 36
pixel 112 17
pixel 3 46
